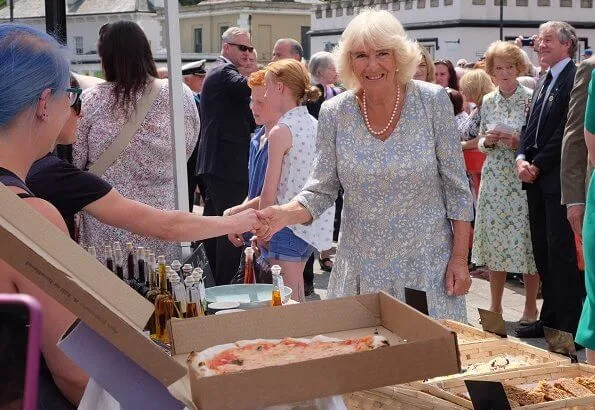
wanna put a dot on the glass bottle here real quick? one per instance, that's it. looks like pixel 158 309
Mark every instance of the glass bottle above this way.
pixel 164 304
pixel 119 263
pixel 92 251
pixel 176 265
pixel 249 266
pixel 179 295
pixel 170 272
pixel 202 295
pixel 192 297
pixel 129 263
pixel 141 265
pixel 186 270
pixel 116 245
pixel 109 257
pixel 278 286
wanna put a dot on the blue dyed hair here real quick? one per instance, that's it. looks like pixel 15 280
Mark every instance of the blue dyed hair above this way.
pixel 30 62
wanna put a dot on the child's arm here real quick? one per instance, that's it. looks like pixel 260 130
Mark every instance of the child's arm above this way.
pixel 280 141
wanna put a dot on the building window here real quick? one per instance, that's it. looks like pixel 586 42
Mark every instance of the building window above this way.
pixel 339 11
pixel 522 3
pixel 434 3
pixel 478 2
pixel 198 40
pixel 587 4
pixel 448 2
pixel 397 5
pixel 222 29
pixel 78 45
pixel 329 12
pixel 543 3
pixel 349 10
pixel 408 4
pixel 305 41
pixel 565 3
pixel 497 2
pixel 319 12
pixel 421 4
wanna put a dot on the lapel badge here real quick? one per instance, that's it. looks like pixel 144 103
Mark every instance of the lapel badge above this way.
pixel 551 98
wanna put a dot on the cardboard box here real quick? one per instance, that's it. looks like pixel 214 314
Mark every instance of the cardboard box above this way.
pixel 420 348
pixel 66 272
pixel 112 311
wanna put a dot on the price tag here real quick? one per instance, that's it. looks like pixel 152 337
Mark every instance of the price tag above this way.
pixel 417 299
pixel 198 259
pixel 560 342
pixel 487 395
pixel 492 322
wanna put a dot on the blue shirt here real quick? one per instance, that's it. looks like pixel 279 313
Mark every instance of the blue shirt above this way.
pixel 257 164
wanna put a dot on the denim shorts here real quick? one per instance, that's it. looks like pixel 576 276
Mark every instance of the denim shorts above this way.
pixel 287 246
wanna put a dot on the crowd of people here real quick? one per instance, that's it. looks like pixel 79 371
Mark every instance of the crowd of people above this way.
pixel 364 146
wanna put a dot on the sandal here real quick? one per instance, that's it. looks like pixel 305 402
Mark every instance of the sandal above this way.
pixel 323 264
pixel 526 320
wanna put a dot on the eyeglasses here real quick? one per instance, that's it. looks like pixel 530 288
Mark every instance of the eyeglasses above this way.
pixel 242 47
pixel 74 99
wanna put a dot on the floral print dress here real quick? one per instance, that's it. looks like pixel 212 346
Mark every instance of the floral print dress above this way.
pixel 502 239
pixel 143 171
pixel 399 197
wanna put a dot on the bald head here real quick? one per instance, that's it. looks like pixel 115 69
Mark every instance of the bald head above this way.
pixel 287 48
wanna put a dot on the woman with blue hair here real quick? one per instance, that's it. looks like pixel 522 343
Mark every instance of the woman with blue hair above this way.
pixel 34 106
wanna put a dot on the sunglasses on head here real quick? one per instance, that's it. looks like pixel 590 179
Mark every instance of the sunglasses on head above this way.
pixel 242 47
pixel 103 29
pixel 74 99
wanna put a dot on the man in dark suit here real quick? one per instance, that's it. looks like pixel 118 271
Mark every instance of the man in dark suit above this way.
pixel 575 168
pixel 193 74
pixel 226 124
pixel 538 166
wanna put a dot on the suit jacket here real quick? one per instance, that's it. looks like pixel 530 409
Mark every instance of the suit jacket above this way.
pixel 575 169
pixel 550 132
pixel 225 124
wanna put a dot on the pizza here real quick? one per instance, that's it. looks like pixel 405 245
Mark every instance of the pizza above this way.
pixel 255 354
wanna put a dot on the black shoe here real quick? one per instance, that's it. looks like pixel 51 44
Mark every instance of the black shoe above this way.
pixel 532 331
pixel 309 289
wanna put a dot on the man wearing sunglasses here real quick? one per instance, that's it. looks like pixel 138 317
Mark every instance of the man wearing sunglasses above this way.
pixel 226 124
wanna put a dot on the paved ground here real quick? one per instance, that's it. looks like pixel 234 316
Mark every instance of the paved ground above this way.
pixel 478 297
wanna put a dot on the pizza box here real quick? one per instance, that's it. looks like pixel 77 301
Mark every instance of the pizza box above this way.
pixel 420 348
pixel 109 309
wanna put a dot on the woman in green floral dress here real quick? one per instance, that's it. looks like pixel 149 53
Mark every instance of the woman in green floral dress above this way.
pixel 502 239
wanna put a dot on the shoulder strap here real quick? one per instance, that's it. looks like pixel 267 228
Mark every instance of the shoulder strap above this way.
pixel 118 145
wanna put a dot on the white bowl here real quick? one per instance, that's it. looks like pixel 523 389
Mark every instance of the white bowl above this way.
pixel 248 296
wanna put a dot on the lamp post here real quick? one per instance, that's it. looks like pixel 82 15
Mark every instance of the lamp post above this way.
pixel 502 20
pixel 11 9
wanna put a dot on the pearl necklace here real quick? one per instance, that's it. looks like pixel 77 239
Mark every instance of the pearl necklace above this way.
pixel 392 116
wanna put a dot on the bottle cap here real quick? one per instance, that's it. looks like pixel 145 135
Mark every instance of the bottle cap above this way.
pixel 175 265
pixel 189 281
pixel 187 267
pixel 249 251
pixel 161 259
pixel 174 278
pixel 197 274
pixel 129 246
pixel 117 245
pixel 92 251
pixel 168 270
pixel 276 270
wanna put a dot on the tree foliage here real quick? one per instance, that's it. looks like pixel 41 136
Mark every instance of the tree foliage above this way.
pixel 2 3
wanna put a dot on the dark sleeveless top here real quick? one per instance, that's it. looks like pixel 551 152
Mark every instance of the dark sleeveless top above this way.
pixel 49 396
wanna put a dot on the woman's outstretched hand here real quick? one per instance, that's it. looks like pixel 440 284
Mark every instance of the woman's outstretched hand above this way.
pixel 272 221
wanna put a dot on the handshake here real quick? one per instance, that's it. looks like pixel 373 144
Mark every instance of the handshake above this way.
pixel 262 224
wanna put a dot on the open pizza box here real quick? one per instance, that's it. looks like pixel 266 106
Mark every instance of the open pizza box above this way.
pixel 109 344
pixel 420 348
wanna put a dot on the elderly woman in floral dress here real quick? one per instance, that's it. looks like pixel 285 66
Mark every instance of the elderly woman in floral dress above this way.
pixel 391 143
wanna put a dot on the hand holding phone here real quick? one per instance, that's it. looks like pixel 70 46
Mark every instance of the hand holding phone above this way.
pixel 20 341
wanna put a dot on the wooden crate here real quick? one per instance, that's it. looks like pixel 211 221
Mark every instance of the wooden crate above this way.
pixel 482 352
pixel 449 389
pixel 468 334
pixel 395 398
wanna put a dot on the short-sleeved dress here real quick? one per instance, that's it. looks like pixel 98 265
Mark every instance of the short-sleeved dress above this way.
pixel 502 238
pixel 399 197
pixel 585 335
pixel 144 170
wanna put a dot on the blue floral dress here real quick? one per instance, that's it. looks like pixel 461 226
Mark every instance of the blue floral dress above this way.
pixel 399 197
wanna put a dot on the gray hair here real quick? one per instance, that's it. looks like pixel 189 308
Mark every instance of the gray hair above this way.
pixel 565 33
pixel 319 62
pixel 231 33
pixel 296 47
